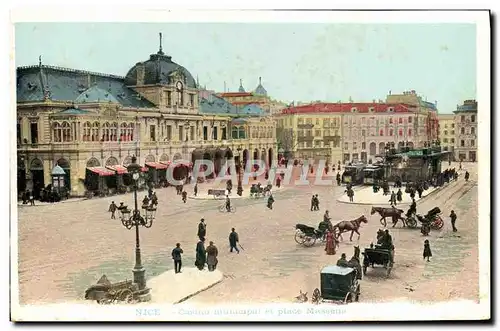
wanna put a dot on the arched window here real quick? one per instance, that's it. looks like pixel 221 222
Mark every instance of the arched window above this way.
pixel 130 134
pixel 123 132
pixel 381 133
pixel 113 132
pixel 66 132
pixel 57 132
pixel 87 128
pixel 95 131
pixel 235 132
pixel 105 132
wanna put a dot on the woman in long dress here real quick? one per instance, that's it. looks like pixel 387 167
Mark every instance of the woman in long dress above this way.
pixel 201 257
pixel 330 243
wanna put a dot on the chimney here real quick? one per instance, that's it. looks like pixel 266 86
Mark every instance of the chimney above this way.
pixel 140 74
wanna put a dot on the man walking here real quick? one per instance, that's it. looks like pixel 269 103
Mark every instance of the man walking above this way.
pixel 196 189
pixel 184 196
pixel 112 209
pixel 233 241
pixel 392 200
pixel 202 229
pixel 212 253
pixel 176 256
pixel 453 218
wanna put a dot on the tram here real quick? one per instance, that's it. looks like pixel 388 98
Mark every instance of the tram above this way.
pixel 353 174
pixel 373 174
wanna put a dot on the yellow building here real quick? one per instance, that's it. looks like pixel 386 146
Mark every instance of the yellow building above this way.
pixel 91 124
pixel 447 132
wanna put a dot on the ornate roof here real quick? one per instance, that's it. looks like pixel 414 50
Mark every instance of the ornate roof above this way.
pixel 95 94
pixel 260 90
pixel 217 105
pixel 73 111
pixel 252 109
pixel 157 70
pixel 41 82
pixel 241 89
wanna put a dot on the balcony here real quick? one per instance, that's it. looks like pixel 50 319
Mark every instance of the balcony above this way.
pixel 305 126
pixel 305 138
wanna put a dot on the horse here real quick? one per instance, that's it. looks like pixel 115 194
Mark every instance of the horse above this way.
pixel 302 297
pixel 345 226
pixel 392 212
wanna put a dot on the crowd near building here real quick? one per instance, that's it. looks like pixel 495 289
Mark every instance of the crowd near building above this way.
pixel 78 130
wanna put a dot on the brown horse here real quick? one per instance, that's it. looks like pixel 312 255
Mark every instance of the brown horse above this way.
pixel 394 213
pixel 345 226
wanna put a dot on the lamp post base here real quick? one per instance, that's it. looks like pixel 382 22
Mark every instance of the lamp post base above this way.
pixel 143 295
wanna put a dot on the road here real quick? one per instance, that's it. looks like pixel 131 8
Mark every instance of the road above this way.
pixel 64 248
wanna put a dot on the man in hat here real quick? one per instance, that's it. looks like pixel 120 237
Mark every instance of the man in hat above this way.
pixel 176 256
pixel 212 253
pixel 342 262
pixel 112 209
pixel 202 229
pixel 233 241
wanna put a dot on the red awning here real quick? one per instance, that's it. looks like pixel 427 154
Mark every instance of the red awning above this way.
pixel 167 163
pixel 101 171
pixel 178 163
pixel 118 168
pixel 144 169
pixel 156 165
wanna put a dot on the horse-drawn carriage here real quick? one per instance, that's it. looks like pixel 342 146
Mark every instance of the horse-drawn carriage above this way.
pixel 431 220
pixel 105 292
pixel 307 235
pixel 378 256
pixel 338 285
pixel 257 191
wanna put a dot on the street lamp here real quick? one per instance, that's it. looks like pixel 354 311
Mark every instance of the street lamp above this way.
pixel 134 220
pixel 239 190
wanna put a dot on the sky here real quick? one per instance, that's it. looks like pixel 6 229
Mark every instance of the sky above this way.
pixel 297 61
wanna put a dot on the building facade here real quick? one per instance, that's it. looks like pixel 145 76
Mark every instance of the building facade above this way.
pixel 84 121
pixel 466 131
pixel 447 133
pixel 355 131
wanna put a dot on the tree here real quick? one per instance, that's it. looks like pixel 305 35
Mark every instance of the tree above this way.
pixel 286 138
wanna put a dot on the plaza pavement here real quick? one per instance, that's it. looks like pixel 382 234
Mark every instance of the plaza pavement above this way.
pixel 365 196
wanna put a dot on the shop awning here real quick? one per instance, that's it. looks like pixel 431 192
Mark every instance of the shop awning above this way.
pixel 101 171
pixel 177 163
pixel 120 170
pixel 156 165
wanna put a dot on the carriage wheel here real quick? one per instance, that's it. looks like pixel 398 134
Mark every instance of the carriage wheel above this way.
pixel 299 237
pixel 309 241
pixel 411 222
pixel 105 301
pixel 125 295
pixel 438 223
pixel 348 298
pixel 316 297
pixel 222 208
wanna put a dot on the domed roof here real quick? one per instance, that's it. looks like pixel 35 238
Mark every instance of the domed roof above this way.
pixel 95 94
pixel 260 90
pixel 241 89
pixel 157 71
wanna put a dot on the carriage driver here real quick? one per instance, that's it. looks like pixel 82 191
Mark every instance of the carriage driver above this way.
pixel 413 209
pixel 228 204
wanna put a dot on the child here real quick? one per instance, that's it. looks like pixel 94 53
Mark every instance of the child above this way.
pixel 427 250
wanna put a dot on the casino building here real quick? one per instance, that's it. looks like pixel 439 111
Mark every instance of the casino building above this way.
pixel 91 124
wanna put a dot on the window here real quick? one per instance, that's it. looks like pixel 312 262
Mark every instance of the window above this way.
pixel 390 120
pixel 317 121
pixel 473 130
pixel 371 109
pixel 353 110
pixel 363 121
pixel 462 118
pixel 452 132
pixel 62 133
pixel 400 132
pixel 34 132
pixel 169 98
pixel 445 132
pixel 215 132
pixel 354 145
pixel 317 133
pixel 445 140
pixel 446 126
pixel 381 132
pixel 19 133
pixel 462 143
pixel 309 121
pixel 400 120
pixel 452 125
pixel 234 133
pixel 317 143
pixel 472 142
pixel 363 145
pixel 95 131
pixel 224 133
pixel 152 133
pixel 205 133
pixel 473 118
pixel 181 133
pixel 409 132
pixel 363 133
pixel 113 131
pixel 191 100
pixel 462 130
pixel 122 136
pixel 390 109
pixel 390 132
pixel 346 145
pixel 410 119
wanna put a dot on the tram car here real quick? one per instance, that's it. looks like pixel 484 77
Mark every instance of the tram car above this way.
pixel 354 174
pixel 373 174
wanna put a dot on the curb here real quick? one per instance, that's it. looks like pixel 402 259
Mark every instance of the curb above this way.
pixel 198 292
pixel 51 204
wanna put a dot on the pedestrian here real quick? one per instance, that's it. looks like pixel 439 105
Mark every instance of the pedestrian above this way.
pixel 399 195
pixel 342 262
pixel 176 256
pixel 453 218
pixel 196 189
pixel 31 198
pixel 212 253
pixel 312 202
pixel 201 254
pixel 154 199
pixel 350 194
pixel 202 229
pixel 467 176
pixel 278 182
pixel 228 204
pixel 392 200
pixel 330 243
pixel 184 196
pixel 145 201
pixel 460 165
pixel 270 202
pixel 427 250
pixel 338 178
pixel 112 209
pixel 233 241
pixel 316 202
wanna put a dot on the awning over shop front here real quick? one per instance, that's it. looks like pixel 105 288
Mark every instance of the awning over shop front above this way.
pixel 120 170
pixel 156 165
pixel 101 171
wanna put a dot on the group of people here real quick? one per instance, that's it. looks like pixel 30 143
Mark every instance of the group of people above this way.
pixel 314 202
pixel 205 256
pixel 27 197
pixel 396 197
pixel 350 192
